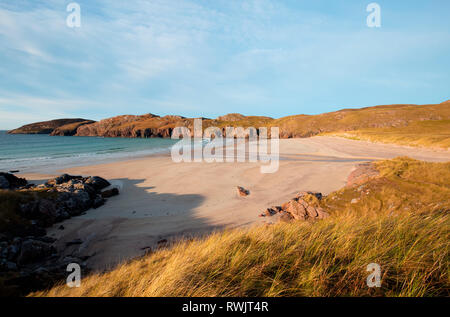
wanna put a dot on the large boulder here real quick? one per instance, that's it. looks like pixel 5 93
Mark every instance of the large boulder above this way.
pixel 34 250
pixel 97 182
pixel 4 184
pixel 10 181
pixel 297 210
pixel 304 206
pixel 64 178
pixel 82 201
pixel 48 211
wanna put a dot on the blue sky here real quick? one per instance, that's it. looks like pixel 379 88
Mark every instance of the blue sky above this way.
pixel 212 57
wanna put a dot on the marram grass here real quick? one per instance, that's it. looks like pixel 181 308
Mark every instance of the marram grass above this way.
pixel 328 258
pixel 432 134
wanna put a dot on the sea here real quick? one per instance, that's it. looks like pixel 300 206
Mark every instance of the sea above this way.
pixel 39 153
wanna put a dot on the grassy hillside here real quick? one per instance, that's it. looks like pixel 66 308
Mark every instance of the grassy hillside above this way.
pixel 399 220
pixel 422 133
pixel 394 116
pixel 69 129
pixel 45 127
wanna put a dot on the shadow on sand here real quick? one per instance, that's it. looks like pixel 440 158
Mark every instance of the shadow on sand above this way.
pixel 138 221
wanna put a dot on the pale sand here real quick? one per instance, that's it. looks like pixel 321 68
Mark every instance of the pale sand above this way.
pixel 160 199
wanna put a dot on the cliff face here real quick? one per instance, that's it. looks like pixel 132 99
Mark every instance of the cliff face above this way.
pixel 45 127
pixel 131 126
pixel 150 126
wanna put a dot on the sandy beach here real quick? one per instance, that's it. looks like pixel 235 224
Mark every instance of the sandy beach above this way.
pixel 160 199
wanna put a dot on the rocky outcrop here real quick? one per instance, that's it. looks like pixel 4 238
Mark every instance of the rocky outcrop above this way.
pixel 45 127
pixel 9 181
pixel 28 258
pixel 33 250
pixel 70 129
pixel 362 173
pixel 32 263
pixel 152 126
pixel 145 126
pixel 304 206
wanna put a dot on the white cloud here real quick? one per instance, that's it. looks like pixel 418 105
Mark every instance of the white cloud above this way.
pixel 165 56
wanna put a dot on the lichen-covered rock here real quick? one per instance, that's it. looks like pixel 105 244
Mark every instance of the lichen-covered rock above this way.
pixel 304 206
pixel 296 209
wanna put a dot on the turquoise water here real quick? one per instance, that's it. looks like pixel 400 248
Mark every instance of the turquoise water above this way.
pixel 44 153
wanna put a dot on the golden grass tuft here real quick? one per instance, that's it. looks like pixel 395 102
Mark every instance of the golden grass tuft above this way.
pixel 404 185
pixel 401 222
pixel 434 134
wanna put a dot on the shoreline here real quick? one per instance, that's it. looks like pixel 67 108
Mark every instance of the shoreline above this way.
pixel 138 155
pixel 47 154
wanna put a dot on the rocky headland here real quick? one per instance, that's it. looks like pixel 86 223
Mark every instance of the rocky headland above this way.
pixel 48 127
pixel 296 126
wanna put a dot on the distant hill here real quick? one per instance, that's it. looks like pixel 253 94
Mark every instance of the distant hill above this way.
pixel 430 133
pixel 390 116
pixel 48 127
pixel 150 125
pixel 290 127
pixel 70 129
